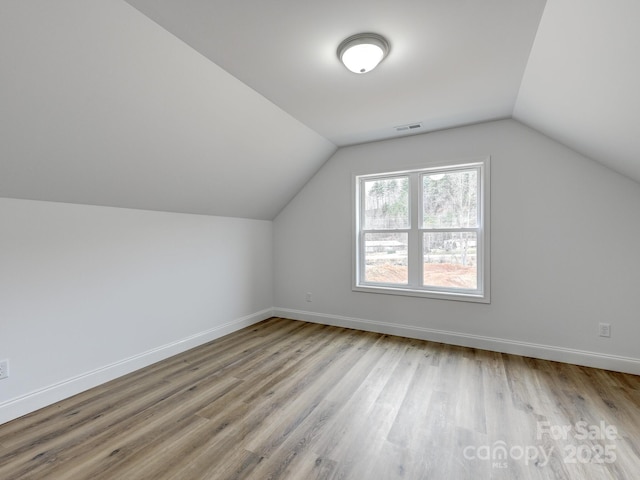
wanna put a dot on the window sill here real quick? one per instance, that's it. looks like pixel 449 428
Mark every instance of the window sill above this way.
pixel 460 297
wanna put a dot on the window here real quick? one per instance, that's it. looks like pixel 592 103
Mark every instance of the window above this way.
pixel 424 232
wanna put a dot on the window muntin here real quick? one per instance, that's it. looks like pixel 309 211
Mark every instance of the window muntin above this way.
pixel 423 232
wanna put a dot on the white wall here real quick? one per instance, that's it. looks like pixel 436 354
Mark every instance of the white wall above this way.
pixel 565 254
pixel 90 293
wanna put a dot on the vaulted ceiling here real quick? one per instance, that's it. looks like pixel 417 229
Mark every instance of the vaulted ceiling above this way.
pixel 581 84
pixel 228 108
pixel 451 62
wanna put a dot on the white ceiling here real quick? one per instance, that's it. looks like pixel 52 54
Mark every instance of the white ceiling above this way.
pixel 101 106
pixel 582 82
pixel 228 108
pixel 451 62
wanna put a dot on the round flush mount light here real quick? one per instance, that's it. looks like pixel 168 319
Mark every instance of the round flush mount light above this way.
pixel 362 52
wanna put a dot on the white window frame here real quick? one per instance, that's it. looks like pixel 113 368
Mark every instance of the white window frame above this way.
pixel 415 234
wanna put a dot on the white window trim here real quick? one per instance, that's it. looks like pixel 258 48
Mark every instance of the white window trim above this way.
pixel 483 294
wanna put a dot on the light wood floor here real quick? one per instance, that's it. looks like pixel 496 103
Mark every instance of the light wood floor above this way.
pixel 288 399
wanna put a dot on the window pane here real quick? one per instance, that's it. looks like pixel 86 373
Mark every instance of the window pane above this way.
pixel 385 258
pixel 450 200
pixel 386 203
pixel 450 260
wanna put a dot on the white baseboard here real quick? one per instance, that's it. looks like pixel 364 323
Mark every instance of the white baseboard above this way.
pixel 526 349
pixel 30 402
pixel 19 406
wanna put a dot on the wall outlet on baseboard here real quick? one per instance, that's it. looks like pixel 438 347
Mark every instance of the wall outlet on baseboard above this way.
pixel 309 297
pixel 604 329
pixel 4 369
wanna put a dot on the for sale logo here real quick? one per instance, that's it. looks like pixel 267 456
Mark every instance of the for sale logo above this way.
pixel 597 446
pixel 589 443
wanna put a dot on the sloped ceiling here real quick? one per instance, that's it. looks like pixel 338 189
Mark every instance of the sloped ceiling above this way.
pixel 582 82
pixel 451 62
pixel 101 106
pixel 227 108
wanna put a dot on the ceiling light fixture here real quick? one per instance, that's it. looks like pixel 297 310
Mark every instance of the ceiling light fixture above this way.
pixel 362 52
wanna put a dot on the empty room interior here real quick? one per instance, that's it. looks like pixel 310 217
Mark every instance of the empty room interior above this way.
pixel 232 247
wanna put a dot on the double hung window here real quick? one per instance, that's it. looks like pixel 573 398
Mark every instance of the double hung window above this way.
pixel 424 232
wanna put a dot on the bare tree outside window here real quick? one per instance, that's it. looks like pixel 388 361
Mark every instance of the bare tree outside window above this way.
pixel 450 202
pixel 423 230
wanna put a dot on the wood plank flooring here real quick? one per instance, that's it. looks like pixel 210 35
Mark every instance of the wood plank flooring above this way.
pixel 291 400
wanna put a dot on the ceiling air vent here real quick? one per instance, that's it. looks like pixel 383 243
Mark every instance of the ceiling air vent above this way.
pixel 409 127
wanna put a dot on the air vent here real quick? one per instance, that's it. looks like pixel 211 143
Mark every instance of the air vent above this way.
pixel 409 127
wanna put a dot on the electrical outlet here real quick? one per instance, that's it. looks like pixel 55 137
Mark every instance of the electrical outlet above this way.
pixel 4 369
pixel 309 297
pixel 604 329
